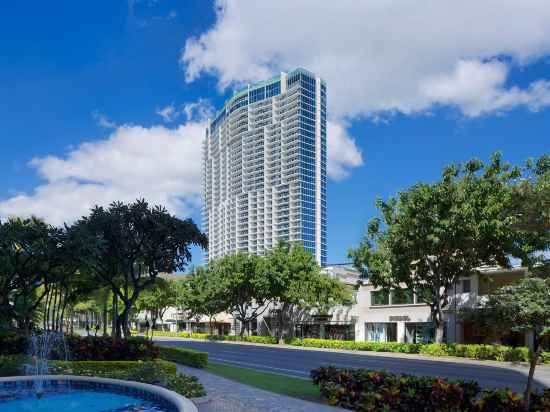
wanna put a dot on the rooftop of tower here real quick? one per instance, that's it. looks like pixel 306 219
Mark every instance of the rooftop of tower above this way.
pixel 253 86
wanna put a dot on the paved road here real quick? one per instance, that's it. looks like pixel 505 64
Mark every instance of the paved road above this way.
pixel 299 362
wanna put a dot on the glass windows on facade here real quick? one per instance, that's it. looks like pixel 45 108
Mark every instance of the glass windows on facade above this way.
pixel 381 332
pixel 466 286
pixel 273 89
pixel 421 332
pixel 402 297
pixel 256 95
pixel 379 298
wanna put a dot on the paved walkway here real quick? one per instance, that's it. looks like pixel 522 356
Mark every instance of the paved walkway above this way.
pixel 225 395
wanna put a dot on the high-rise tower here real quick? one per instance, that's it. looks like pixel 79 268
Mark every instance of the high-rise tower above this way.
pixel 264 168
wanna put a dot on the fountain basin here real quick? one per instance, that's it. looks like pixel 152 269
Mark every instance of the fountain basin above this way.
pixel 67 393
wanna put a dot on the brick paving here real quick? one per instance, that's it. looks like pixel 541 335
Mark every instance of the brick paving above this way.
pixel 225 395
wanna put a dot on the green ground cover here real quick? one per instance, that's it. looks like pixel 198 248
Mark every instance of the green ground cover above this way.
pixel 272 382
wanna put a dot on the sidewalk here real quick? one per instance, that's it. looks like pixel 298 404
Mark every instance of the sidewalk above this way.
pixel 225 395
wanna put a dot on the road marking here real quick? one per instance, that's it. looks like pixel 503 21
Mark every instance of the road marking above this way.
pixel 256 365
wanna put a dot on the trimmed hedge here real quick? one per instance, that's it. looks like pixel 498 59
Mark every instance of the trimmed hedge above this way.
pixel 251 339
pixel 190 335
pixel 189 357
pixel 105 348
pixel 481 352
pixel 12 365
pixel 12 343
pixel 360 346
pixel 471 351
pixel 369 391
pixel 106 368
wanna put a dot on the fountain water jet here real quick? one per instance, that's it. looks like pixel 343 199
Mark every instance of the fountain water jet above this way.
pixel 44 346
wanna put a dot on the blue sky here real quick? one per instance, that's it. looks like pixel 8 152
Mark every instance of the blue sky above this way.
pixel 410 90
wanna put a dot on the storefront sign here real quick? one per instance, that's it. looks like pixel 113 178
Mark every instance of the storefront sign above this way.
pixel 399 319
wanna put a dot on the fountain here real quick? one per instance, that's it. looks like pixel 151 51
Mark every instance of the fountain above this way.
pixel 41 350
pixel 38 391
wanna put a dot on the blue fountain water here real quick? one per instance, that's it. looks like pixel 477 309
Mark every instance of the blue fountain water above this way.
pixel 45 395
pixel 77 400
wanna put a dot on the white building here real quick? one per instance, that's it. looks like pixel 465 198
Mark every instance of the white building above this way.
pixel 400 316
pixel 264 168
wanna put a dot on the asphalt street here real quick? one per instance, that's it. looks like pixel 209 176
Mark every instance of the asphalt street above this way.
pixel 299 362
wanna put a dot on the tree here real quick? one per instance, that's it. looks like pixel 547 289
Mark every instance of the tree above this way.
pixel 524 307
pixel 126 247
pixel 157 298
pixel 30 254
pixel 245 285
pixel 203 294
pixel 297 286
pixel 531 206
pixel 431 235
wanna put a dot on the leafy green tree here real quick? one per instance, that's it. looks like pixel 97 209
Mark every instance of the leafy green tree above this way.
pixel 297 286
pixel 30 254
pixel 126 246
pixel 531 206
pixel 431 235
pixel 245 285
pixel 203 294
pixel 157 298
pixel 523 307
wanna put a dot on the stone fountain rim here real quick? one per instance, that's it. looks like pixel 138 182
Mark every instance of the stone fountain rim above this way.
pixel 181 403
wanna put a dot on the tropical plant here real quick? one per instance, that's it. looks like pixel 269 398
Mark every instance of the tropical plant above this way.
pixel 431 235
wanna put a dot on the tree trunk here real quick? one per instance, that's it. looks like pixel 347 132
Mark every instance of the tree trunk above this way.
pixel 243 327
pixel 105 310
pixel 532 366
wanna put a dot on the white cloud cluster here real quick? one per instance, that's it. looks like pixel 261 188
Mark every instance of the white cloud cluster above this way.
pixel 379 56
pixel 343 153
pixel 159 164
pixel 195 111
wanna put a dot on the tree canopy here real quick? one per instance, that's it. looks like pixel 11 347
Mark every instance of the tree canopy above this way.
pixel 127 246
pixel 431 235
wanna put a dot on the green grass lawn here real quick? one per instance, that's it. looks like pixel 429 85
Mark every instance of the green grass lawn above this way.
pixel 273 382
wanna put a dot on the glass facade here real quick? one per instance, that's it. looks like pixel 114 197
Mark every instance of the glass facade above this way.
pixel 264 168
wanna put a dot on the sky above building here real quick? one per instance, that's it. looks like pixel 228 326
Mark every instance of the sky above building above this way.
pixel 108 100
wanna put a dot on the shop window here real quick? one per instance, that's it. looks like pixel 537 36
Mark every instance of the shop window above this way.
pixel 379 298
pixel 466 286
pixel 402 297
pixel 381 332
pixel 422 332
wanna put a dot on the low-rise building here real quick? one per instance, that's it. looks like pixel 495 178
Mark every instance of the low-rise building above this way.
pixel 400 316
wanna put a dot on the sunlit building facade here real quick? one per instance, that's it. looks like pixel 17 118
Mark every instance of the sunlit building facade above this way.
pixel 264 168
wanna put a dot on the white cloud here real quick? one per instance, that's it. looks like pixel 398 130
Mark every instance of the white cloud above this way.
pixel 380 56
pixel 103 121
pixel 159 164
pixel 342 151
pixel 200 111
pixel 168 113
pixel 478 88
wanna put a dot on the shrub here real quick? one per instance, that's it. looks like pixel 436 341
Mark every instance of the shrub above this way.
pixel 12 343
pixel 540 401
pixel 188 386
pixel 12 365
pixel 361 346
pixel 108 369
pixel 187 357
pixel 503 400
pixel 251 339
pixel 365 390
pixel 102 348
pixel 157 372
